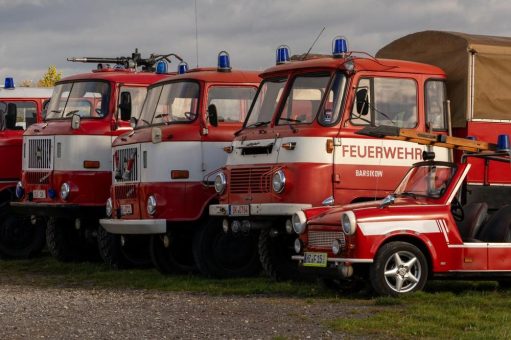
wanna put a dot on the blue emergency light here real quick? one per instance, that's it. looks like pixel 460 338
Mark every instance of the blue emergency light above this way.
pixel 503 143
pixel 52 193
pixel 9 83
pixel 339 47
pixel 161 67
pixel 182 68
pixel 282 56
pixel 224 62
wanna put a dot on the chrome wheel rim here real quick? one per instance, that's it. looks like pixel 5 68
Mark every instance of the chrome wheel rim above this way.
pixel 402 272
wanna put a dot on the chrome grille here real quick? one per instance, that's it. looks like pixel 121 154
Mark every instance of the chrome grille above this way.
pixel 250 180
pixel 126 165
pixel 37 177
pixel 39 153
pixel 323 239
pixel 125 191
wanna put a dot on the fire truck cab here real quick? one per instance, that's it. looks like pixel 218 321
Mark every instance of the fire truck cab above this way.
pixel 158 191
pixel 67 159
pixel 299 147
pixel 20 107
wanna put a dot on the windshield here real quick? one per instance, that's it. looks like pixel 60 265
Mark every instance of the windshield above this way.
pixel 430 180
pixel 304 99
pixel 88 99
pixel 264 105
pixel 170 103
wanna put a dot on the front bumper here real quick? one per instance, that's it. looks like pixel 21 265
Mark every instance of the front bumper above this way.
pixel 264 209
pixel 134 227
pixel 57 209
pixel 336 260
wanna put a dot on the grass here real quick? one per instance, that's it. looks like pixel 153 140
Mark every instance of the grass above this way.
pixel 457 309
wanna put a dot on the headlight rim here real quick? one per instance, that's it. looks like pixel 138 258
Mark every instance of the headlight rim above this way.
pixel 109 207
pixel 302 220
pixel 352 220
pixel 282 177
pixel 151 205
pixel 223 182
pixel 20 190
pixel 65 190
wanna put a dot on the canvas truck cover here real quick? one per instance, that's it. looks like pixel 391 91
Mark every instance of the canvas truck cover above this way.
pixel 478 69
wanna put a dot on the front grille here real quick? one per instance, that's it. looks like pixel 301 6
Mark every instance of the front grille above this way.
pixel 39 153
pixel 250 180
pixel 125 191
pixel 324 239
pixel 37 177
pixel 126 165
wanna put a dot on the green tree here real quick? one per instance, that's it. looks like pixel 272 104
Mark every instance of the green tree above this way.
pixel 50 77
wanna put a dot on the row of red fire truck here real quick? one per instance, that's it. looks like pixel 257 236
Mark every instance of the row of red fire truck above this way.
pixel 179 189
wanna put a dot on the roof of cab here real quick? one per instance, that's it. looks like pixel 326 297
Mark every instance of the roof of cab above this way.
pixel 211 74
pixel 119 76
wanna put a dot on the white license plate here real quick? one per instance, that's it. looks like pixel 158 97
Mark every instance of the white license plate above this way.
pixel 126 209
pixel 239 210
pixel 315 259
pixel 39 193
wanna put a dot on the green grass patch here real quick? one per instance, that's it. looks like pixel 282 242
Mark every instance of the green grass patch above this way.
pixel 446 310
pixel 47 272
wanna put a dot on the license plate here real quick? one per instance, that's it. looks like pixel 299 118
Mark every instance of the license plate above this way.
pixel 39 193
pixel 314 259
pixel 126 209
pixel 239 210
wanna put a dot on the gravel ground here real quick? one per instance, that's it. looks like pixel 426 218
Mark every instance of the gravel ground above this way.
pixel 65 313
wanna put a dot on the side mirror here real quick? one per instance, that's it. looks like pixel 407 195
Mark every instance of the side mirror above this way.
pixel 212 115
pixel 362 102
pixel 125 106
pixel 75 122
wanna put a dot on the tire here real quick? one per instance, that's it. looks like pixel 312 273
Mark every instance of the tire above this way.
pixel 223 255
pixel 275 255
pixel 109 246
pixel 393 258
pixel 19 238
pixel 177 256
pixel 63 240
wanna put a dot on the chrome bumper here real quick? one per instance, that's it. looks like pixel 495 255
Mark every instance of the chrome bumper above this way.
pixel 126 227
pixel 265 209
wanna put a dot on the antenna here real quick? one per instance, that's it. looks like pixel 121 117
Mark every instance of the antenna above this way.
pixel 196 36
pixel 314 43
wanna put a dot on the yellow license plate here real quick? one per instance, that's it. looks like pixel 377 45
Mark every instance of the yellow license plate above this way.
pixel 315 259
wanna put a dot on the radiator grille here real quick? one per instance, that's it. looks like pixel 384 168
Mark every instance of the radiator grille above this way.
pixel 250 180
pixel 37 177
pixel 39 153
pixel 126 165
pixel 125 191
pixel 324 239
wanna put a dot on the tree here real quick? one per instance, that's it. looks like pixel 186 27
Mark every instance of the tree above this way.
pixel 50 77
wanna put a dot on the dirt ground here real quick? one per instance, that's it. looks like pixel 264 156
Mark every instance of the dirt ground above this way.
pixel 28 312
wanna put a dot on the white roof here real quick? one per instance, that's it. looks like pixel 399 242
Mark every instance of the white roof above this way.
pixel 26 92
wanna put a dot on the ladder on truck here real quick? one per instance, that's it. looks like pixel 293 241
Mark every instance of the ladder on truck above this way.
pixel 427 138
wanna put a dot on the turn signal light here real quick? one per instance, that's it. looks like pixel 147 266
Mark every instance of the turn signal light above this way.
pixel 289 146
pixel 228 149
pixel 179 174
pixel 329 145
pixel 91 164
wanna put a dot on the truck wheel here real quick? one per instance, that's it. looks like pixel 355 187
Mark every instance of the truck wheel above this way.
pixel 62 240
pixel 399 268
pixel 172 253
pixel 275 253
pixel 110 249
pixel 222 255
pixel 19 238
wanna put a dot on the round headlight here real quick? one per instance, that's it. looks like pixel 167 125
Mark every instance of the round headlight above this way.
pixel 298 246
pixel 349 222
pixel 64 191
pixel 220 183
pixel 151 205
pixel 299 222
pixel 278 181
pixel 19 190
pixel 109 207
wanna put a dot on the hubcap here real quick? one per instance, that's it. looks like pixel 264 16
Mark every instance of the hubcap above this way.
pixel 402 271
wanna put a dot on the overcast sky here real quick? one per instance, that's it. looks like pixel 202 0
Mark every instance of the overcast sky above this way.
pixel 37 33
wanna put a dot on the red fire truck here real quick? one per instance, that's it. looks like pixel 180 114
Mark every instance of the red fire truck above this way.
pixel 299 147
pixel 19 108
pixel 425 229
pixel 186 123
pixel 67 159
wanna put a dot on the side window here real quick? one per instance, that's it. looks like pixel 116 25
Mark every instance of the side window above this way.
pixel 24 116
pixel 435 109
pixel 390 101
pixel 232 102
pixel 137 99
pixel 334 97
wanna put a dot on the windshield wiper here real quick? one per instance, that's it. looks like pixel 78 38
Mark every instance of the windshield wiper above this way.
pixel 290 120
pixel 407 193
pixel 71 113
pixel 256 124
